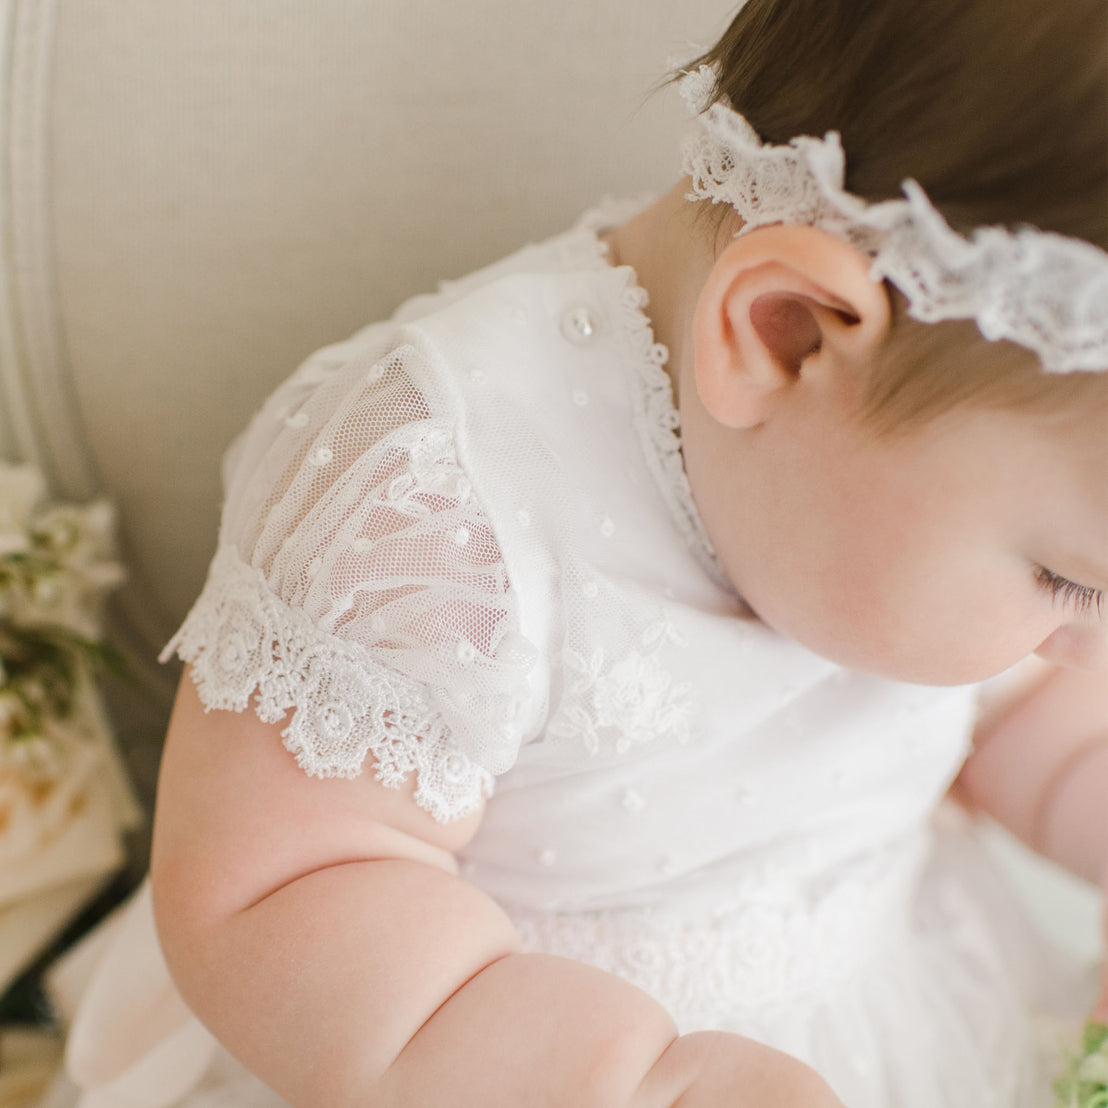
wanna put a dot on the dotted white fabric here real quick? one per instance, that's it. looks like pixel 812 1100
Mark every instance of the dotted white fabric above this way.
pixel 476 559
pixel 1044 291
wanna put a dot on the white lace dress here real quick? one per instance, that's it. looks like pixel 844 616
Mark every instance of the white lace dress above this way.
pixel 473 521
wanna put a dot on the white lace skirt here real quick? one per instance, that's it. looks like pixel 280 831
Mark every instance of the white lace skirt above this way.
pixel 933 991
pixel 947 999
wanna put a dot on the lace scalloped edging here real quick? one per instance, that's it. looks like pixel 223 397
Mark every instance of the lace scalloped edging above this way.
pixel 656 419
pixel 1042 290
pixel 244 642
pixel 658 424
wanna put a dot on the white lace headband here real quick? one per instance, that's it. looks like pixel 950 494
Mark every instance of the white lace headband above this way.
pixel 1042 290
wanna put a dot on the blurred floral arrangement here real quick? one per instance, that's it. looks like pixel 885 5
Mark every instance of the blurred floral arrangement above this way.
pixel 1085 1082
pixel 56 565
pixel 64 800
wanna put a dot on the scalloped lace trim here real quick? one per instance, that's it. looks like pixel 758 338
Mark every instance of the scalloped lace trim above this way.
pixel 658 424
pixel 242 642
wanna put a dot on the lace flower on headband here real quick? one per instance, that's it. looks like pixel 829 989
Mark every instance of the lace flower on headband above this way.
pixel 1044 291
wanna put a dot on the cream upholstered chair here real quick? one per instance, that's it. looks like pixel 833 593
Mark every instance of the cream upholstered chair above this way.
pixel 195 194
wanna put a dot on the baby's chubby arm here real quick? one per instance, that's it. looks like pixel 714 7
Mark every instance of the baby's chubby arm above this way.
pixel 1040 767
pixel 320 930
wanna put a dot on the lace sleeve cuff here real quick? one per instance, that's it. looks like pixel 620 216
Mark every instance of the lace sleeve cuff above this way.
pixel 242 641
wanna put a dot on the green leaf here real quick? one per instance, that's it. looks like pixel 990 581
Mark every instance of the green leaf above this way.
pixel 1095 1037
pixel 1085 1082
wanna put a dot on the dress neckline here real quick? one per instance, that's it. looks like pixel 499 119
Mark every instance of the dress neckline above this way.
pixel 657 420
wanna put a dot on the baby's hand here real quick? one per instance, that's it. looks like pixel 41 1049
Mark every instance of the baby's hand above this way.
pixel 712 1069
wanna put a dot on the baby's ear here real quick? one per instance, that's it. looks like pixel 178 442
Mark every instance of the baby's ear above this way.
pixel 783 304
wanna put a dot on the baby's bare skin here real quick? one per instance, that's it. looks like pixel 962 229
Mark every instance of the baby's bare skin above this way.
pixel 352 967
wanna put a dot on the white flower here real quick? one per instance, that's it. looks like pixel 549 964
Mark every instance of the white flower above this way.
pixel 333 719
pixel 65 565
pixel 634 700
pixel 21 489
pixel 79 536
pixel 1094 1069
pixel 333 722
pixel 239 647
pixel 639 698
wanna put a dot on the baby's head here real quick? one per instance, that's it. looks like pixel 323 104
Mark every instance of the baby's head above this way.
pixel 882 481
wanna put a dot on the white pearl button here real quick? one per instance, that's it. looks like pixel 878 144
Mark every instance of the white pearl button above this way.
pixel 300 419
pixel 581 398
pixel 580 324
pixel 607 527
pixel 322 456
pixel 461 537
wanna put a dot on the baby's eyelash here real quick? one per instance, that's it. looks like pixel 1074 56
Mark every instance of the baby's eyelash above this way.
pixel 1083 598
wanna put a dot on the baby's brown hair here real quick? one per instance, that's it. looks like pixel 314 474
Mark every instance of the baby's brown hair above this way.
pixel 1000 111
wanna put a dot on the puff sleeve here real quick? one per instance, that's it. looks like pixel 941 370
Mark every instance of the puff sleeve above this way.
pixel 358 592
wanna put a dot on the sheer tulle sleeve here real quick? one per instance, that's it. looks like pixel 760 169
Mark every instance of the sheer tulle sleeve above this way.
pixel 358 592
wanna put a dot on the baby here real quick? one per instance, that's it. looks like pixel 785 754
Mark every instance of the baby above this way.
pixel 530 754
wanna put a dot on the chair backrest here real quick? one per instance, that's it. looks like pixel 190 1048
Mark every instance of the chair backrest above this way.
pixel 197 194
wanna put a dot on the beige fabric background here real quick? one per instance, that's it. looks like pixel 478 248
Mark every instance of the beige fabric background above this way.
pixel 238 181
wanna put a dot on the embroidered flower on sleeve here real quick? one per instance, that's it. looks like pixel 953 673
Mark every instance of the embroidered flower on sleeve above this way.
pixel 617 703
